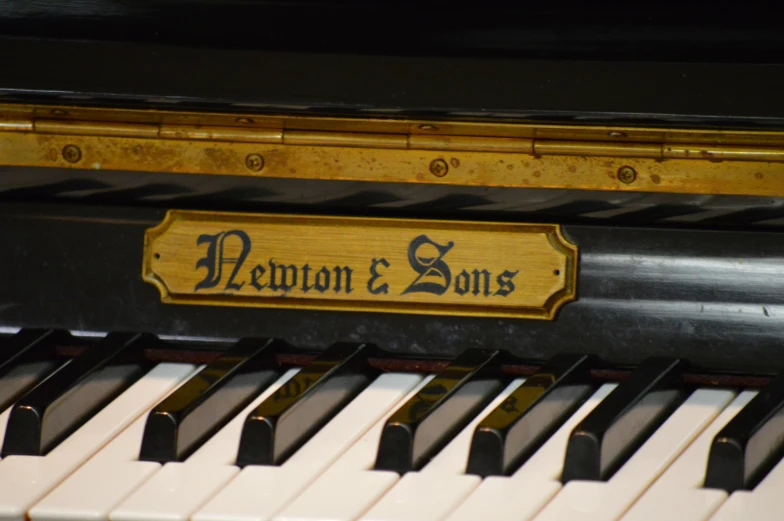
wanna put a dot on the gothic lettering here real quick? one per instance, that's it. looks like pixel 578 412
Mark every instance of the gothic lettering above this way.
pixel 305 273
pixel 375 275
pixel 216 258
pixel 339 272
pixel 322 280
pixel 462 283
pixel 256 275
pixel 426 258
pixel 288 276
pixel 482 277
pixel 505 284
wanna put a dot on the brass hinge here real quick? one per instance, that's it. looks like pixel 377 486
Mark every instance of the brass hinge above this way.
pixel 534 147
pixel 396 151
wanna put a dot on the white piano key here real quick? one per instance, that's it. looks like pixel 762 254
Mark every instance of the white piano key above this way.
pixel 454 457
pixel 106 478
pixel 221 449
pixel 441 485
pixel 26 479
pixel 3 423
pixel 258 492
pixel 607 501
pixel 547 462
pixel 339 496
pixel 764 503
pixel 348 486
pixel 522 496
pixel 362 455
pixel 177 489
pixel 174 492
pixel 420 497
pixel 677 494
pixel 115 472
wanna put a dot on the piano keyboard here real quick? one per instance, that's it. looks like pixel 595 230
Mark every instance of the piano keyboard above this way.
pixel 110 435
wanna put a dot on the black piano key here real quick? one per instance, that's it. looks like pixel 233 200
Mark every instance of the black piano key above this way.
pixel 73 394
pixel 422 426
pixel 27 358
pixel 275 429
pixel 207 401
pixel 621 423
pixel 751 444
pixel 516 429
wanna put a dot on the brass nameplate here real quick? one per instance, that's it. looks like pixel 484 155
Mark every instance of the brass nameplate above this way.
pixel 358 264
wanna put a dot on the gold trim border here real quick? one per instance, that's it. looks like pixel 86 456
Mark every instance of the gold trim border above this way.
pixel 548 312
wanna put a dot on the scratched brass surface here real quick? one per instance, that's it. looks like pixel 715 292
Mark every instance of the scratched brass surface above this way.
pixel 358 264
pixel 458 153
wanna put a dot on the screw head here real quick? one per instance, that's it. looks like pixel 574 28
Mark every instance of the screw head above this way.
pixel 59 112
pixel 72 154
pixel 627 174
pixel 244 121
pixel 254 162
pixel 616 133
pixel 439 168
pixel 427 127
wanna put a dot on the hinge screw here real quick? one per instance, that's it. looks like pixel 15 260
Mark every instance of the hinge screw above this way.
pixel 254 162
pixel 72 154
pixel 627 174
pixel 427 127
pixel 439 168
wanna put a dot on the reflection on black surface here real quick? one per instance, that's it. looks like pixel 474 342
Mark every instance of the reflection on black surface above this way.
pixel 296 411
pixel 209 399
pixel 527 417
pixel 751 444
pixel 26 359
pixel 62 403
pixel 621 423
pixel 425 423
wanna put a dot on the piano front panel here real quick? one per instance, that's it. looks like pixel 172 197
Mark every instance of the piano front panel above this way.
pixel 697 294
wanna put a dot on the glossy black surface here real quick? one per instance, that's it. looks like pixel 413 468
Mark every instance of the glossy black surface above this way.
pixel 642 292
pixel 208 400
pixel 423 425
pixel 751 443
pixel 275 429
pixel 585 62
pixel 27 358
pixel 379 199
pixel 601 443
pixel 701 95
pixel 68 398
pixel 506 437
pixel 669 31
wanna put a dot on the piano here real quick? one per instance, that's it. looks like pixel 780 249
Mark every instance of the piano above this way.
pixel 399 261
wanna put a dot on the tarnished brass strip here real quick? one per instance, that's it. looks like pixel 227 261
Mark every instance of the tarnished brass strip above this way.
pixel 18 125
pixel 345 139
pixel 609 133
pixel 93 128
pixel 577 148
pixel 476 144
pixel 536 147
pixel 487 169
pixel 732 153
pixel 249 135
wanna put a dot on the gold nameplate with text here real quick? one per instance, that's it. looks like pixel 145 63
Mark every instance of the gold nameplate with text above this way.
pixel 359 264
